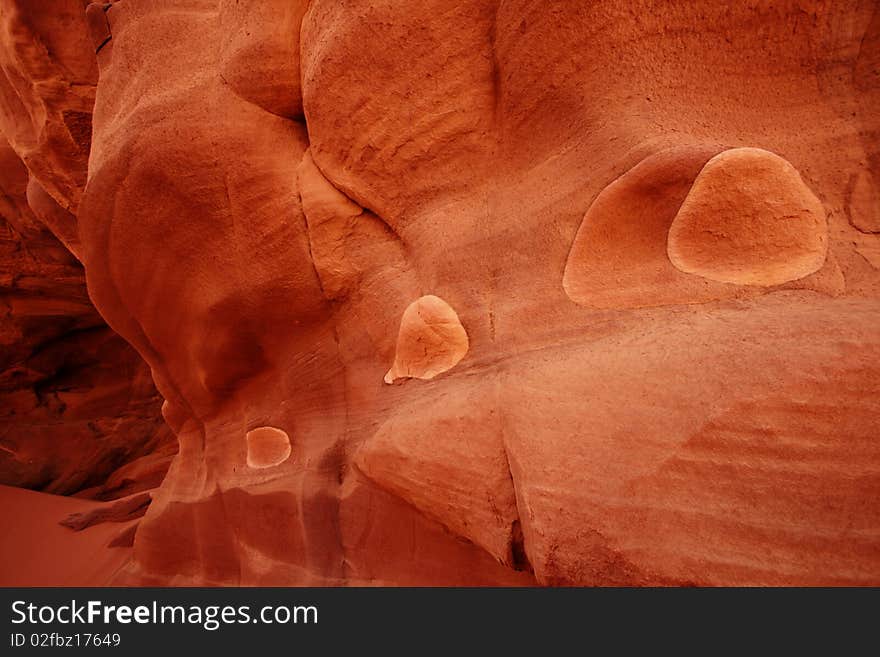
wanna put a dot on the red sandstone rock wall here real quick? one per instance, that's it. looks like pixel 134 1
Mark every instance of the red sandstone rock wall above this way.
pixel 485 292
pixel 76 401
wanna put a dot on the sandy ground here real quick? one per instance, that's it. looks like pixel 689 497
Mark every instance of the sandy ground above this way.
pixel 37 551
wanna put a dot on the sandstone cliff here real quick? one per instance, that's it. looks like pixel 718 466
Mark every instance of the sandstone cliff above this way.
pixel 472 292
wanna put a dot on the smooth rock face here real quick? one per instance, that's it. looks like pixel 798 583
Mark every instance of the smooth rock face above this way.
pixel 431 340
pixel 749 219
pixel 267 447
pixel 453 467
pixel 620 261
pixel 259 57
pixel 619 255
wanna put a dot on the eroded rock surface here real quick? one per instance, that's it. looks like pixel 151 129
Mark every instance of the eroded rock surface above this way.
pixel 267 447
pixel 76 402
pixel 621 260
pixel 48 75
pixel 431 340
pixel 749 219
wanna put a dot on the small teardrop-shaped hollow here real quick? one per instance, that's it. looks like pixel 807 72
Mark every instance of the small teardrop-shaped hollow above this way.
pixel 749 219
pixel 267 447
pixel 431 340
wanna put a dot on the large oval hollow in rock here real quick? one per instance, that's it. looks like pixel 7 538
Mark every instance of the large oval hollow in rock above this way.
pixel 749 219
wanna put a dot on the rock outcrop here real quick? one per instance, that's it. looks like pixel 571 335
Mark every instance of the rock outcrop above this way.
pixel 618 260
pixel 76 402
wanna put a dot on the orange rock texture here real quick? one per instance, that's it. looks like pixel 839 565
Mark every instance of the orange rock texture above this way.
pixel 459 293
pixel 76 402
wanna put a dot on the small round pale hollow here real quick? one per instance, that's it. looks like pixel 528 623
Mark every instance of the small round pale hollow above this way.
pixel 749 219
pixel 267 447
pixel 431 340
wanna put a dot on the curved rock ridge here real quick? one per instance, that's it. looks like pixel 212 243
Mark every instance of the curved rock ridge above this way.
pixel 77 404
pixel 259 57
pixel 447 458
pixel 618 258
pixel 48 76
pixel 79 409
